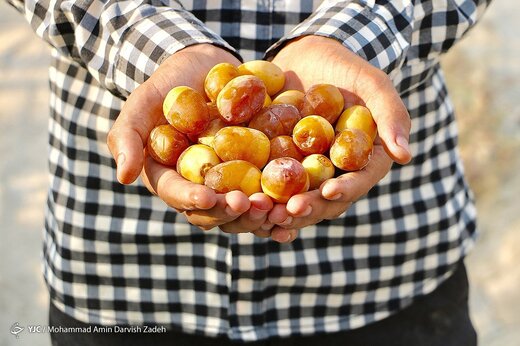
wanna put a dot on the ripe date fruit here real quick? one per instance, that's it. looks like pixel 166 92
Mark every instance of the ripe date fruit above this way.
pixel 325 100
pixel 272 76
pixel 283 178
pixel 218 77
pixel 206 137
pixel 276 120
pixel 242 143
pixel 290 97
pixel 213 111
pixel 313 134
pixel 165 144
pixel 234 175
pixel 351 150
pixel 283 146
pixel 319 168
pixel 195 161
pixel 186 110
pixel 357 117
pixel 267 101
pixel 240 99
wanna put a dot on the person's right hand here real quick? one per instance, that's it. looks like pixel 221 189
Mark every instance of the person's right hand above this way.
pixel 143 111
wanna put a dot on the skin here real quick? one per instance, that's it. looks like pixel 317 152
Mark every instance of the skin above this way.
pixel 234 212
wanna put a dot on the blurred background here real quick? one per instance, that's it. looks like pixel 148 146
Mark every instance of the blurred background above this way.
pixel 483 73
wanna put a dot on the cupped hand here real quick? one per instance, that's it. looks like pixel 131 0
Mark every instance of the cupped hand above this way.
pixel 326 61
pixel 142 111
pixel 333 198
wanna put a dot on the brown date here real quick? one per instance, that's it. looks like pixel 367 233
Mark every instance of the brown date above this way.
pixel 206 137
pixel 234 175
pixel 283 146
pixel 240 99
pixel 275 120
pixel 325 100
pixel 218 77
pixel 283 178
pixel 351 150
pixel 313 134
pixel 357 117
pixel 165 144
pixel 272 76
pixel 186 110
pixel 290 97
pixel 242 143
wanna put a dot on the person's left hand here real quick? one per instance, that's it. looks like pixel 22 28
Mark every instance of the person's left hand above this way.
pixel 327 61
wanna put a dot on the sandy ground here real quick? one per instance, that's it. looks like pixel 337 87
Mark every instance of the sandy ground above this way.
pixel 484 78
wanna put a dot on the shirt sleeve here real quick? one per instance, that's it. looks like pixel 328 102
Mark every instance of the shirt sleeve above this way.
pixel 121 43
pixel 381 31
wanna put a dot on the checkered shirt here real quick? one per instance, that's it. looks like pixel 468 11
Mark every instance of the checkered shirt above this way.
pixel 115 254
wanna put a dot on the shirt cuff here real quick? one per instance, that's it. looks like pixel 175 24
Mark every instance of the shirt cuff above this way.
pixel 380 34
pixel 154 38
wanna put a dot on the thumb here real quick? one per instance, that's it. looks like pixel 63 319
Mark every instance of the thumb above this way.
pixel 392 119
pixel 127 138
pixel 126 146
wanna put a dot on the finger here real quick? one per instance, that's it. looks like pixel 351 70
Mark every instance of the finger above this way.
pixel 264 231
pixel 228 207
pixel 350 98
pixel 283 235
pixel 254 218
pixel 176 191
pixel 292 82
pixel 320 209
pixel 278 214
pixel 261 233
pixel 126 146
pixel 211 218
pixel 237 203
pixel 127 137
pixel 390 114
pixel 351 186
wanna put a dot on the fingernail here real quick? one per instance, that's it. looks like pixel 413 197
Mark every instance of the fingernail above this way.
pixel 403 143
pixel 121 158
pixel 307 211
pixel 327 191
pixel 287 221
pixel 261 235
pixel 266 227
pixel 194 197
pixel 257 214
pixel 286 239
pixel 231 212
pixel 335 197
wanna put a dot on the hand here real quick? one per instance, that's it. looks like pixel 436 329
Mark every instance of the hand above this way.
pixel 143 111
pixel 327 61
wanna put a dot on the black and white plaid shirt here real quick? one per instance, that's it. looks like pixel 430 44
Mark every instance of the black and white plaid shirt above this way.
pixel 117 254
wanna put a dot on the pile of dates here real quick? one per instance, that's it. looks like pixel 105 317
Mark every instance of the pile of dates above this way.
pixel 244 134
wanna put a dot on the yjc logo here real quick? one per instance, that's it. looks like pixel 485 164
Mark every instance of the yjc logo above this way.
pixel 16 329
